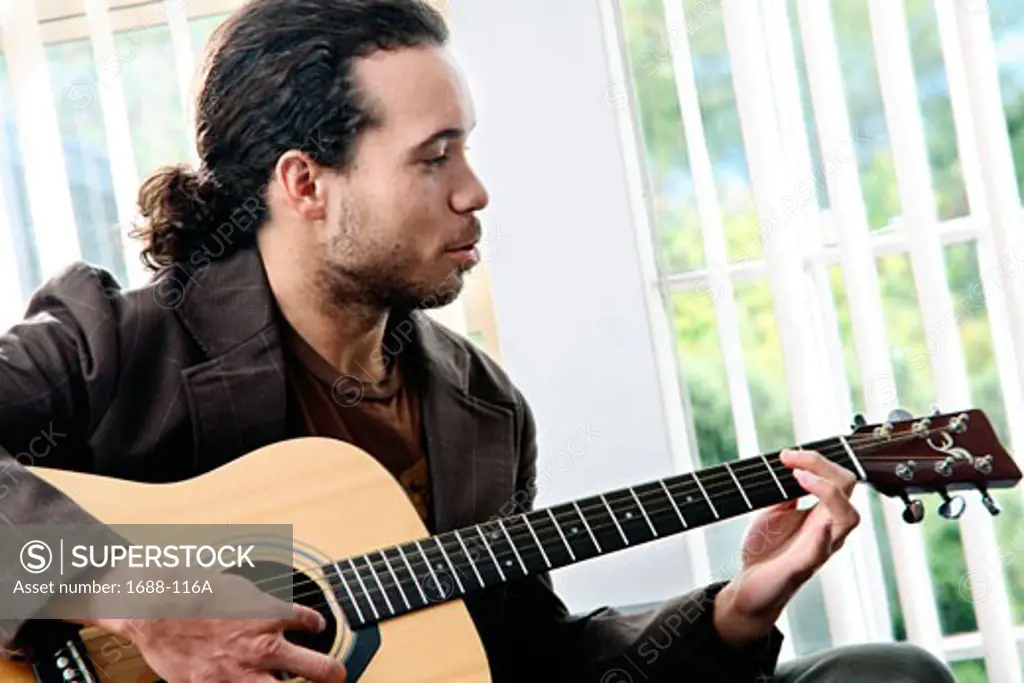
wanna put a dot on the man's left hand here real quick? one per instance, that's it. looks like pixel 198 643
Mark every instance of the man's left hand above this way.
pixel 785 547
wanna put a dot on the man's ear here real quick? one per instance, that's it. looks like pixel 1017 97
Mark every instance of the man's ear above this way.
pixel 302 185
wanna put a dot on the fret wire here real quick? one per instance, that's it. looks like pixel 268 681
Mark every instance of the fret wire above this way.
pixel 472 564
pixel 430 568
pixel 398 583
pixel 415 581
pixel 362 585
pixel 373 573
pixel 747 464
pixel 558 528
pixel 679 482
pixel 615 519
pixel 772 472
pixel 643 511
pixel 513 546
pixel 675 507
pixel 533 533
pixel 455 574
pixel 351 597
pixel 489 550
pixel 701 486
pixel 739 486
pixel 369 592
pixel 586 525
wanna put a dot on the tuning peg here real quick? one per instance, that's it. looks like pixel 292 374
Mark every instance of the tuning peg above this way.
pixel 951 508
pixel 858 421
pixel 899 415
pixel 935 411
pixel 914 512
pixel 990 504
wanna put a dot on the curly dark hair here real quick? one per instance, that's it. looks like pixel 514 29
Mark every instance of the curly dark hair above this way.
pixel 277 75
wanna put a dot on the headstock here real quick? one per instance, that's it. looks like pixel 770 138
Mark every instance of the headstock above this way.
pixel 938 453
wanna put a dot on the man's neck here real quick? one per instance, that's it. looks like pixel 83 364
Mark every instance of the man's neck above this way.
pixel 349 337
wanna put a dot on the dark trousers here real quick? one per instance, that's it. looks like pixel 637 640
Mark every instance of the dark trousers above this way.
pixel 888 662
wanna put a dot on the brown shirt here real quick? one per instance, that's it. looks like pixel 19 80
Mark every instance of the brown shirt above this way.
pixel 382 419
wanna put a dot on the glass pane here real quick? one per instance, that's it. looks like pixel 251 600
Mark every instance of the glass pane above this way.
pixel 936 109
pixel 703 370
pixel 867 118
pixel 713 73
pixel 970 671
pixel 810 129
pixel 76 91
pixel 908 343
pixel 12 176
pixel 1007 17
pixel 976 336
pixel 762 354
pixel 200 30
pixel 154 114
pixel 842 306
pixel 705 379
pixel 678 237
pixel 838 285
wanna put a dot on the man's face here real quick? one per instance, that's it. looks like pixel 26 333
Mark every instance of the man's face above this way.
pixel 400 222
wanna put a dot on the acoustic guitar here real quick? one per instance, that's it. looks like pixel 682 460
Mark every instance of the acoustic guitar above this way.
pixel 392 592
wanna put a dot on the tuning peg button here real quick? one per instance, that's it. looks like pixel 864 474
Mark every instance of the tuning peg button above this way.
pixel 990 504
pixel 858 421
pixel 951 508
pixel 914 510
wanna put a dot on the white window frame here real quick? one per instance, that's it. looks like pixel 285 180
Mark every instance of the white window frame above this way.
pixel 765 93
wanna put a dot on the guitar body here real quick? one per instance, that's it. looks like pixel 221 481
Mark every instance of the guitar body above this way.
pixel 341 503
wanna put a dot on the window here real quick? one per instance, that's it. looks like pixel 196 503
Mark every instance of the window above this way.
pixel 892 175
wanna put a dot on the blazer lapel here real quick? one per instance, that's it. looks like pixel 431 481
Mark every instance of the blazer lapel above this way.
pixel 236 398
pixel 470 441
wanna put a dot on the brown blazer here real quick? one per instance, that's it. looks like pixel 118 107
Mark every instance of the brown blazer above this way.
pixel 173 379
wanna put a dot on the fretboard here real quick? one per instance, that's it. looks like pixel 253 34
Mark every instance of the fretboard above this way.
pixel 393 581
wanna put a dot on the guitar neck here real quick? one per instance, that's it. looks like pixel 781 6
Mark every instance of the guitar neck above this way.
pixel 394 581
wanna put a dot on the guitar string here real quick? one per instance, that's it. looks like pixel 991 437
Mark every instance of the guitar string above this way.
pixel 522 536
pixel 682 482
pixel 349 612
pixel 554 541
pixel 371 594
pixel 428 565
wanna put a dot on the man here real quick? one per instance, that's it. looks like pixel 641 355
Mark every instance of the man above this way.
pixel 333 203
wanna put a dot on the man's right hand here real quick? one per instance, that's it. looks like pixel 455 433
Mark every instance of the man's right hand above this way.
pixel 236 650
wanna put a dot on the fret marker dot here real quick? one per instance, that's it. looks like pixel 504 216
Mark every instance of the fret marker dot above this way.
pixel 508 563
pixel 572 530
pixel 689 499
pixel 440 566
pixel 629 515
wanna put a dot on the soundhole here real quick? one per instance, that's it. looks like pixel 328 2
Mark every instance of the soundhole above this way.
pixel 273 578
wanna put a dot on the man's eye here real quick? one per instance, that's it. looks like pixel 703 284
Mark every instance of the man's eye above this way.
pixel 437 161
